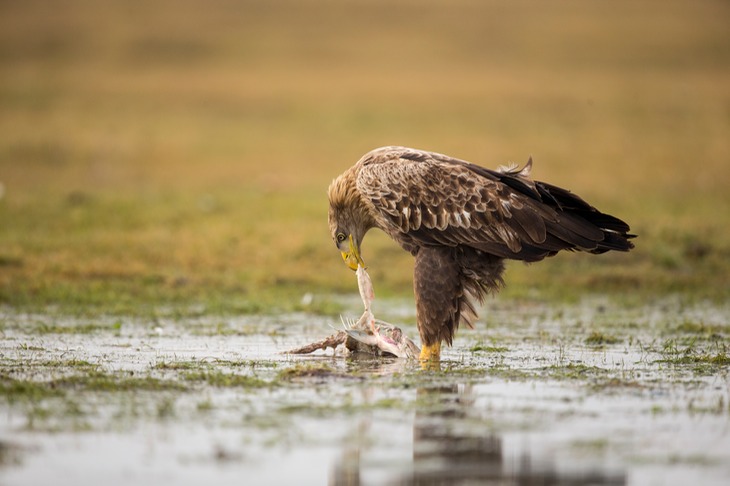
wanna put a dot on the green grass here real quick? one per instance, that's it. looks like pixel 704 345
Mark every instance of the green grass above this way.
pixel 223 380
pixel 701 356
pixel 317 370
pixel 98 381
pixel 486 348
pixel 22 389
pixel 151 160
pixel 15 390
pixel 599 338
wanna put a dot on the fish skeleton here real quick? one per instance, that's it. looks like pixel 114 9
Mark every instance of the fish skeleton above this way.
pixel 374 332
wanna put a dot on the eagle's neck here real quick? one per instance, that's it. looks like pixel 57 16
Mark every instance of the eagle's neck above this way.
pixel 345 199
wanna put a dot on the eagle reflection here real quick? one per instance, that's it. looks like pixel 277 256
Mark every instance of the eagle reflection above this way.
pixel 447 450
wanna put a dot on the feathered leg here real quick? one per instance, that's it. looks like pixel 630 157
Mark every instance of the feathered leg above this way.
pixel 438 289
pixel 446 282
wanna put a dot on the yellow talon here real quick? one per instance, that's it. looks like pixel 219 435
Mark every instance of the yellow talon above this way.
pixel 430 353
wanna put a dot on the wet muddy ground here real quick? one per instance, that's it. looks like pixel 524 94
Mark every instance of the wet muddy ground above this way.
pixel 593 393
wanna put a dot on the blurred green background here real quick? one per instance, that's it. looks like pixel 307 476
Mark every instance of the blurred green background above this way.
pixel 177 153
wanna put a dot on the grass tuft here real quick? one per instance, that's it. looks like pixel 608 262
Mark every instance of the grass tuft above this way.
pixel 598 338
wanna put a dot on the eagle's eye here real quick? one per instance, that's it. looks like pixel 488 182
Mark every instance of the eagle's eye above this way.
pixel 341 237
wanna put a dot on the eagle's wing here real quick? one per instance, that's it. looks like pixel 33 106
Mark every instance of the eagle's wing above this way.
pixel 431 199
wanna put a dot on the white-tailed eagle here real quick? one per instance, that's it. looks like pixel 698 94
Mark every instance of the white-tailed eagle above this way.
pixel 460 221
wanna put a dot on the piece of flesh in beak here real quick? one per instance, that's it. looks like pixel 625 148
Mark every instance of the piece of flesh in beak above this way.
pixel 352 256
pixel 365 286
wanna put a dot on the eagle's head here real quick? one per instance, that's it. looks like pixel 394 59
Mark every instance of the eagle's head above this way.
pixel 349 219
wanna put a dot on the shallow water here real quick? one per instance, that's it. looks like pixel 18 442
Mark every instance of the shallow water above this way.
pixel 523 399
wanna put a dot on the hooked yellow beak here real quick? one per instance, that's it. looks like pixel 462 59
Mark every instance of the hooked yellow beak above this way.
pixel 352 258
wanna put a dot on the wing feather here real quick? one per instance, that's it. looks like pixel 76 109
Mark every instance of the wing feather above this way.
pixel 423 198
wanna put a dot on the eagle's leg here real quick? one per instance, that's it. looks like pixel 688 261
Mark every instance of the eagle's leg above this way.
pixel 430 353
pixel 438 287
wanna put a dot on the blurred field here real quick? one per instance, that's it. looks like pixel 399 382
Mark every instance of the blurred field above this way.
pixel 178 152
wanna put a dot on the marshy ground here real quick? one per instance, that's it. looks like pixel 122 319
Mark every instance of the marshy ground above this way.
pixel 590 393
pixel 163 238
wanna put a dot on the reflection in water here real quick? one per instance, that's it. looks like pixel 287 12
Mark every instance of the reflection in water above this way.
pixel 448 450
pixel 441 454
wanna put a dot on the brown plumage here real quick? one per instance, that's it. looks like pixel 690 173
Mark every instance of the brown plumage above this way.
pixel 460 221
